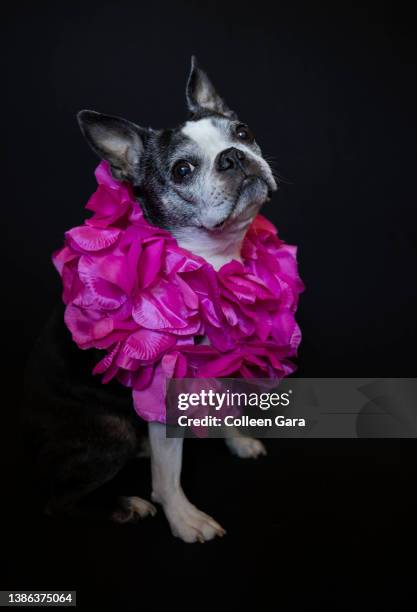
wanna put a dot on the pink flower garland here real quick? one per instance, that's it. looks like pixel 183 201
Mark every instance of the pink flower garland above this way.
pixel 130 290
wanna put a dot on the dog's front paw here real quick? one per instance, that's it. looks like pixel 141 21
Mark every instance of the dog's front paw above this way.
pixel 245 447
pixel 189 523
pixel 132 509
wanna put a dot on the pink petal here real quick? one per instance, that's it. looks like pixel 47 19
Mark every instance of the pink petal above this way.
pixel 86 327
pixel 149 403
pixel 147 345
pixel 150 262
pixel 92 238
pixel 106 294
pixel 161 307
pixel 107 361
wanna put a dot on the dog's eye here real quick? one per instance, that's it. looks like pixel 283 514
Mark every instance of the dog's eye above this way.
pixel 244 133
pixel 182 169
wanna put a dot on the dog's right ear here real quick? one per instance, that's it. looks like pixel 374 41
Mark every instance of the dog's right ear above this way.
pixel 118 141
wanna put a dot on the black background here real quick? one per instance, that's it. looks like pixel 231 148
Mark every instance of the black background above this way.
pixel 330 92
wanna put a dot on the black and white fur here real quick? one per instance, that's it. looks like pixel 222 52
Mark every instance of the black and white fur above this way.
pixel 204 181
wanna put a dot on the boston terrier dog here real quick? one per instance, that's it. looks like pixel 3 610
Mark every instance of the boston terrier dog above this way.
pixel 204 181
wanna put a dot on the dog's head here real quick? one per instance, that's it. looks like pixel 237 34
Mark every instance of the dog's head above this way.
pixel 206 173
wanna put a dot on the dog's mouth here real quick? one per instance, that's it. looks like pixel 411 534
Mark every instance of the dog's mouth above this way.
pixel 253 192
pixel 251 181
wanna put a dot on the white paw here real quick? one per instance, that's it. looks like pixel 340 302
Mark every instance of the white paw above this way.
pixel 245 447
pixel 132 509
pixel 141 506
pixel 189 523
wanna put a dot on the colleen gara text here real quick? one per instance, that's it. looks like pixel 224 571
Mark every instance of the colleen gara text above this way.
pixel 241 421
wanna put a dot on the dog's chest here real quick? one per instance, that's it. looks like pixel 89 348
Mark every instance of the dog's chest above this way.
pixel 214 257
pixel 215 249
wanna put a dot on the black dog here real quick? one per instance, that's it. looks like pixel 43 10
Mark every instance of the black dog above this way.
pixel 82 432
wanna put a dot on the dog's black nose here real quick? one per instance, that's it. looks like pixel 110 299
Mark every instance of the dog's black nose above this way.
pixel 230 159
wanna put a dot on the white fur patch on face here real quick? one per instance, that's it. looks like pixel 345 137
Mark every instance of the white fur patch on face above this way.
pixel 210 138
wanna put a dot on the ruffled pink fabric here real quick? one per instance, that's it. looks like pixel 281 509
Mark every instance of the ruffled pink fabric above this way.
pixel 132 291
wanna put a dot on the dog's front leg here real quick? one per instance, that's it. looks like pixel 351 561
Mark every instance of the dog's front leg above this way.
pixel 242 446
pixel 186 521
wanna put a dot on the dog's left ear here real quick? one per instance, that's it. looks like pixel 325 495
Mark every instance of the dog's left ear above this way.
pixel 201 94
